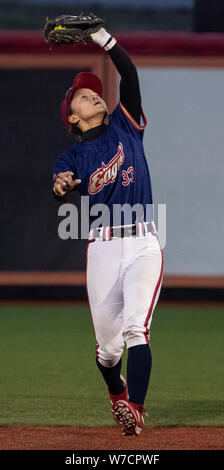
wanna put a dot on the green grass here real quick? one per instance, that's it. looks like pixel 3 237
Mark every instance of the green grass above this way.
pixel 49 377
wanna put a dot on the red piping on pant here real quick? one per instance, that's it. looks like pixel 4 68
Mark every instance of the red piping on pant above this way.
pixel 153 300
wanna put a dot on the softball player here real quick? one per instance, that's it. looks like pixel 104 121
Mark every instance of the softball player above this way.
pixel 124 261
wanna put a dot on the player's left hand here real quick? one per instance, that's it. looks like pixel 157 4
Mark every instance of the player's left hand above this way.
pixel 64 183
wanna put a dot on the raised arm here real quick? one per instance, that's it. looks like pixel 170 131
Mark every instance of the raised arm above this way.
pixel 130 95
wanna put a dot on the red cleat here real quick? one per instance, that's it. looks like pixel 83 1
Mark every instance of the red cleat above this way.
pixel 129 417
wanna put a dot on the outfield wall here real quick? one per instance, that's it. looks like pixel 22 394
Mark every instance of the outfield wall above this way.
pixel 184 146
pixel 181 78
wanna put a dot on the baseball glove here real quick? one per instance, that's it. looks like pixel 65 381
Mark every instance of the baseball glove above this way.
pixel 67 29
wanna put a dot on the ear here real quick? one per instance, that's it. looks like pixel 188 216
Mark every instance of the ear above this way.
pixel 73 119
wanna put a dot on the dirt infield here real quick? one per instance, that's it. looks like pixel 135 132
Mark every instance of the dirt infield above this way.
pixel 110 438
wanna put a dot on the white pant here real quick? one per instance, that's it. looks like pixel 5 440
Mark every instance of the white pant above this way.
pixel 124 278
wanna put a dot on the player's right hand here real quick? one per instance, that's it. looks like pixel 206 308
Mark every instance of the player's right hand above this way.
pixel 64 183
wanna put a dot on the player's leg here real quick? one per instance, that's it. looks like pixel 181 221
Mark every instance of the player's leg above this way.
pixel 141 288
pixel 142 278
pixel 106 305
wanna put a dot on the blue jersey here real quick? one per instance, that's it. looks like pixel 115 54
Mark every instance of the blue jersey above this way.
pixel 113 169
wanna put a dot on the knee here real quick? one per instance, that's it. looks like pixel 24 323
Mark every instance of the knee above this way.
pixel 108 357
pixel 136 336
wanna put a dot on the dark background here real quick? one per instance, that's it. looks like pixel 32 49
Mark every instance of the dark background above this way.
pixel 182 15
pixel 31 138
pixel 122 15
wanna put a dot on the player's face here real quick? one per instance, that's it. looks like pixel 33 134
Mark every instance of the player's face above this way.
pixel 87 105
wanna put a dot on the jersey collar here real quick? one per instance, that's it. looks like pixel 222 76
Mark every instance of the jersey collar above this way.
pixel 93 134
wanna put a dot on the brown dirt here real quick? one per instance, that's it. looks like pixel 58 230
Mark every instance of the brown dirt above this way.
pixel 110 438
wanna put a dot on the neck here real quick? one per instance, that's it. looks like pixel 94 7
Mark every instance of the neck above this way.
pixel 87 125
pixel 93 133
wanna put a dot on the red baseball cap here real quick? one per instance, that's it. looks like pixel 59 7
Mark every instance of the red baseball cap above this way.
pixel 82 80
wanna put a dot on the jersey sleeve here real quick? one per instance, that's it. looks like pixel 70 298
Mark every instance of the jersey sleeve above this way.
pixel 123 118
pixel 65 162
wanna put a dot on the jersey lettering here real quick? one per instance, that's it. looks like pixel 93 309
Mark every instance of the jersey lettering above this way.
pixel 107 173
